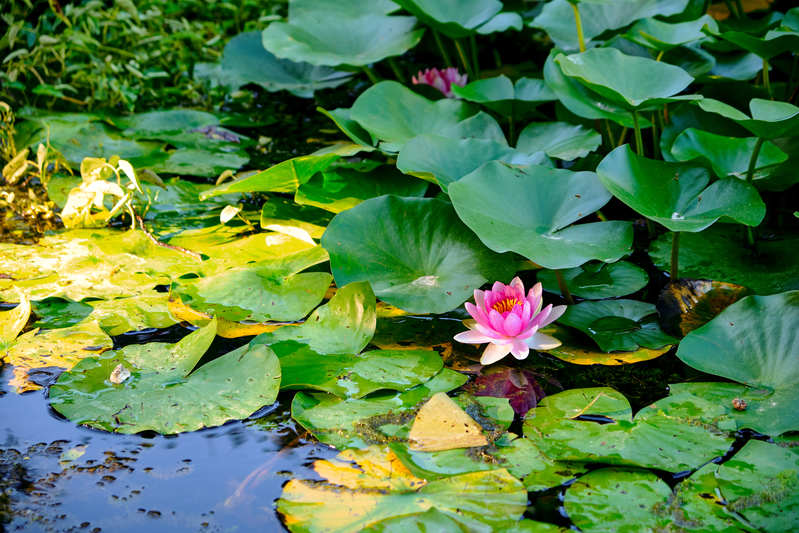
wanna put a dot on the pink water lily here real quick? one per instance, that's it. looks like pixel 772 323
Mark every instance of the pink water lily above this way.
pixel 443 79
pixel 509 321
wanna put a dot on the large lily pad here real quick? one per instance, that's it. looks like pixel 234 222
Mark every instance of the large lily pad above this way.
pixel 660 35
pixel 378 487
pixel 754 341
pixel 415 253
pixel 529 210
pixel 578 349
pixel 454 18
pixel 596 281
pixel 13 321
pixel 354 375
pixel 164 392
pixel 393 115
pixel 769 119
pixel 596 425
pixel 635 82
pixel 678 196
pixel 622 325
pixel 727 155
pixel 557 17
pixel 345 324
pixel 332 32
pixel 244 60
pixel 502 95
pixel 558 139
pixel 720 253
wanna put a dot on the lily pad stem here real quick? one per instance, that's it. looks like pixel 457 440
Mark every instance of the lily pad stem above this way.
pixel 675 255
pixel 750 176
pixel 740 7
pixel 373 77
pixel 578 22
pixel 466 64
pixel 396 70
pixel 442 50
pixel 611 140
pixel 660 55
pixel 564 290
pixel 639 141
pixel 766 81
pixel 475 62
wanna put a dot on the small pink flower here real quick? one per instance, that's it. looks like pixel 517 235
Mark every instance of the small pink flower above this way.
pixel 509 321
pixel 443 80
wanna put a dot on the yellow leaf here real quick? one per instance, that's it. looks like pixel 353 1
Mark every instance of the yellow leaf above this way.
pixel 12 322
pixel 442 425
pixel 374 468
pixel 225 328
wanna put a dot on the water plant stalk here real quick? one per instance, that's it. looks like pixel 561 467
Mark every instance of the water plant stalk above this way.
pixel 396 70
pixel 371 74
pixel 655 144
pixel 675 255
pixel 475 61
pixel 639 141
pixel 766 81
pixel 564 290
pixel 750 176
pixel 442 50
pixel 462 54
pixel 578 22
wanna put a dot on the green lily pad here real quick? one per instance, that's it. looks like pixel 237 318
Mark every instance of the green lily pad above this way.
pixel 332 32
pixel 622 325
pixel 341 117
pixel 393 115
pixel 287 175
pixel 583 102
pixel 773 43
pixel 414 252
pixel 678 196
pixel 687 115
pixel 560 140
pixel 596 425
pixel 13 321
pixel 354 376
pixel 430 520
pixel 659 35
pixel 345 324
pixel 244 61
pixel 736 66
pixel 727 155
pixel 720 253
pixel 596 281
pixel 755 490
pixel 375 491
pixel 164 392
pixel 355 423
pixel 339 189
pixel 615 499
pixel 503 96
pixel 144 311
pixel 453 18
pixel 635 82
pixel 55 313
pixel 578 349
pixel 444 160
pixel 557 17
pixel 769 119
pixel 529 210
pixel 753 342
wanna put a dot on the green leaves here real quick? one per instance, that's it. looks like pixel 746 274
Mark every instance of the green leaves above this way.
pixel 454 18
pixel 532 214
pixel 598 280
pixel 161 392
pixel 678 196
pixel 769 119
pixel 558 139
pixel 415 253
pixel 334 33
pixel 754 342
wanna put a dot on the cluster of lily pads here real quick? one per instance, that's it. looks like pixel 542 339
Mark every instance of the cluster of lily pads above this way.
pixel 433 196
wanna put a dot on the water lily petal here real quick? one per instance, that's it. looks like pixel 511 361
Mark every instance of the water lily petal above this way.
pixel 478 299
pixel 497 322
pixel 527 312
pixel 513 325
pixel 519 349
pixel 554 314
pixel 494 352
pixel 541 341
pixel 477 313
pixel 472 337
pixel 534 297
pixel 541 317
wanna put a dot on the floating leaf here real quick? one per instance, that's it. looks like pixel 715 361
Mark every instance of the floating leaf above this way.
pixel 558 139
pixel 244 61
pixel 453 18
pixel 686 304
pixel 332 32
pixel 678 196
pixel 430 520
pixel 575 348
pixel 12 322
pixel 348 501
pixel 528 211
pixel 720 253
pixel 414 252
pixel 596 281
pixel 596 425
pixel 60 348
pixel 754 341
pixel 441 424
pixel 165 393
pixel 278 210
pixel 345 324
pixel 622 325
pixel 354 376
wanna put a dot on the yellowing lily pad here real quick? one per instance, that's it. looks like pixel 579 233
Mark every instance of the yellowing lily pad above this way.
pixel 442 425
pixel 577 351
pixel 12 322
pixel 62 348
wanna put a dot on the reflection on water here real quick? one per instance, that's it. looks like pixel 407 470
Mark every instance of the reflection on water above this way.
pixel 60 477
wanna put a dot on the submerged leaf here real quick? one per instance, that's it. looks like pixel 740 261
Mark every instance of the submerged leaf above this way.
pixel 686 304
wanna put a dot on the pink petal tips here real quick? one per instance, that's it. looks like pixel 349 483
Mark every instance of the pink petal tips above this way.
pixel 443 79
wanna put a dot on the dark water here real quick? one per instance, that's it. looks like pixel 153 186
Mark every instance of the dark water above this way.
pixel 220 479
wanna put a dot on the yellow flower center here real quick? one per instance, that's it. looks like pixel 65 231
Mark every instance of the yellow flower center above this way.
pixel 503 306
